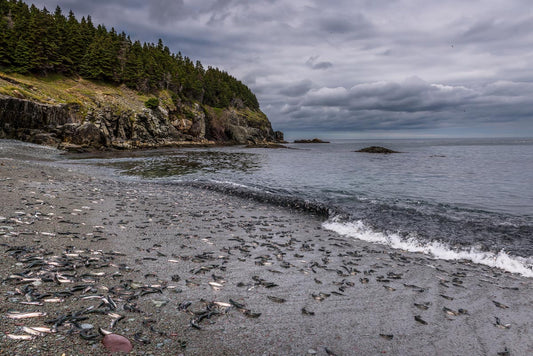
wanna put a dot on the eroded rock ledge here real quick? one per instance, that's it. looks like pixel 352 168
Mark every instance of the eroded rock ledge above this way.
pixel 71 126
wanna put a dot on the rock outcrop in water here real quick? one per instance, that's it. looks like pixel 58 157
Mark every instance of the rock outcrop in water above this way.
pixel 106 125
pixel 315 140
pixel 376 149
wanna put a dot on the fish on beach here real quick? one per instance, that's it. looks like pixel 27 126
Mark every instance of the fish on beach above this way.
pixel 420 320
pixel 501 325
pixel 450 311
pixel 307 312
pixel 17 315
pixel 423 306
pixel 20 337
pixel 387 336
pixel 500 305
pixel 276 299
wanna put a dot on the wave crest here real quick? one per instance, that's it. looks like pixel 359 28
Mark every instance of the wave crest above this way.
pixel 501 259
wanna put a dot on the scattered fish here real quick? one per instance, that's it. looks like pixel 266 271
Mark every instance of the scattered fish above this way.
pixel 499 324
pixel 420 320
pixel 307 312
pixel 450 311
pixel 17 315
pixel 276 299
pixel 423 306
pixel 20 337
pixel 387 336
pixel 500 305
pixel 320 296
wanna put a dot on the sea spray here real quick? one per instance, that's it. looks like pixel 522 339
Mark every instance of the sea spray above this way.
pixel 358 230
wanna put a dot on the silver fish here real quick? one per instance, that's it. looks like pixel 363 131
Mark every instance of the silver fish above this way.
pixel 16 315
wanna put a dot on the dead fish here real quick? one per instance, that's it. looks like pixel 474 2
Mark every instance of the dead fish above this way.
pixel 194 324
pixel 31 331
pixel 463 311
pixel 40 329
pixel 389 288
pixel 320 296
pixel 20 337
pixel 276 299
pixel 500 305
pixel 363 280
pixel 31 303
pixel 450 311
pixel 423 306
pixel 499 324
pixel 387 336
pixel 414 287
pixel 190 283
pixel 420 320
pixel 317 281
pixel 446 297
pixel 237 304
pixel 251 314
pixel 222 304
pixel 88 334
pixel 307 312
pixel 53 300
pixel 16 315
pixel 215 285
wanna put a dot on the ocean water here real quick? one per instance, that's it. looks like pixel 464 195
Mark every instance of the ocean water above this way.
pixel 450 198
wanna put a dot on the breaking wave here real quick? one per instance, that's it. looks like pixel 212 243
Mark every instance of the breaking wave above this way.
pixel 501 259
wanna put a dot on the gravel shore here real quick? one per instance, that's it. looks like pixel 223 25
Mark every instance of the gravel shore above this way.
pixel 179 270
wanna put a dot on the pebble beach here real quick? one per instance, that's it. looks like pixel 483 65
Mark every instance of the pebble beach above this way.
pixel 184 271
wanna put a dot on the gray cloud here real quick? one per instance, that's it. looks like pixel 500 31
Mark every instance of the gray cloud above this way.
pixel 312 63
pixel 361 65
pixel 297 89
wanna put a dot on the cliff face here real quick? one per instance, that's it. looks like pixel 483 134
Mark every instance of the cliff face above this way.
pixel 73 126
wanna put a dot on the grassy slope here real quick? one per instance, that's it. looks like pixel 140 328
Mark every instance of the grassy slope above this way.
pixel 58 89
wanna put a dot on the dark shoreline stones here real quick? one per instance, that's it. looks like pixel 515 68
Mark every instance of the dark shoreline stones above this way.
pixel 376 149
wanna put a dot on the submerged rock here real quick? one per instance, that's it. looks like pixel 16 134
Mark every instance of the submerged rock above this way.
pixel 376 149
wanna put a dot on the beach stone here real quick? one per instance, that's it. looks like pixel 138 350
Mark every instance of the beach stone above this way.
pixel 117 343
pixel 86 326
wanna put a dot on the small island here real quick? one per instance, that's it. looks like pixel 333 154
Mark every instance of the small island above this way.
pixel 315 140
pixel 376 149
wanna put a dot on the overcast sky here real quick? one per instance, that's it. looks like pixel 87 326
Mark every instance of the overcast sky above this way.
pixel 354 68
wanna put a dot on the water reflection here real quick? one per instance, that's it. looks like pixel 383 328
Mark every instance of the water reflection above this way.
pixel 166 164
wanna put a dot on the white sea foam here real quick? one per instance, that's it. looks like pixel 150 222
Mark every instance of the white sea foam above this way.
pixel 436 249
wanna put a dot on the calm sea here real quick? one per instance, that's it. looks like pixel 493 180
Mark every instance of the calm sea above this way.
pixel 451 198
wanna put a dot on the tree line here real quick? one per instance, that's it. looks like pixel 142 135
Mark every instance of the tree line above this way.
pixel 40 42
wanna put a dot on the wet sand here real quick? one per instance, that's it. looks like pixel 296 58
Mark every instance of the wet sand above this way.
pixel 179 270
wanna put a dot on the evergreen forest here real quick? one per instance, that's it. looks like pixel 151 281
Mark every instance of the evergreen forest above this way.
pixel 35 41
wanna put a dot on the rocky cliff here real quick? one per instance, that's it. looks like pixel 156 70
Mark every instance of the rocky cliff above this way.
pixel 98 118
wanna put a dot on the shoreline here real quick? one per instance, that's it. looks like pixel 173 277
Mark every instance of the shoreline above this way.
pixel 152 248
